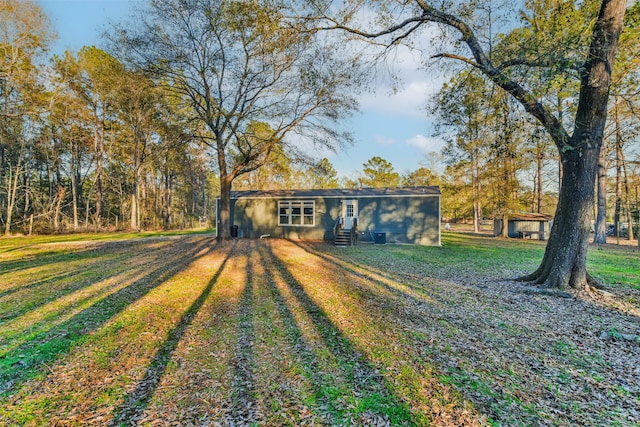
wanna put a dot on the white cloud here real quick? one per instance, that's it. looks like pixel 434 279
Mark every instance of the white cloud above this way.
pixel 409 101
pixel 402 86
pixel 425 144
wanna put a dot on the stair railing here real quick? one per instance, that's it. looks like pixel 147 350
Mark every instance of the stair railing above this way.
pixel 353 233
pixel 339 225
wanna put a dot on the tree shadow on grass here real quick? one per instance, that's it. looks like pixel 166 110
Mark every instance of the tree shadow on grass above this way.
pixel 351 268
pixel 27 360
pixel 56 255
pixel 136 401
pixel 34 285
pixel 243 396
pixel 358 378
pixel 53 257
pixel 43 291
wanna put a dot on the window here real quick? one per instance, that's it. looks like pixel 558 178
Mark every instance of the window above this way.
pixel 297 213
pixel 350 210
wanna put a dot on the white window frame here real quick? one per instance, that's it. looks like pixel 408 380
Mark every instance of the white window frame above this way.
pixel 289 217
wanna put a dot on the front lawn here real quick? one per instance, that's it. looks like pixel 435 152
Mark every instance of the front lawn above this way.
pixel 178 330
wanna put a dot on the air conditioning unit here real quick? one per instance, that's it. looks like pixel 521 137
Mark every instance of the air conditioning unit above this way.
pixel 379 238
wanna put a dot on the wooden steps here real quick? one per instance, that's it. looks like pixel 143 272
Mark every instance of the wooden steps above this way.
pixel 342 238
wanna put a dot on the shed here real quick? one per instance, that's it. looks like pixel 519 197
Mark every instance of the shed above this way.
pixel 527 225
pixel 375 215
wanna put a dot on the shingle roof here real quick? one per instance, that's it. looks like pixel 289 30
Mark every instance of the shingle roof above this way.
pixel 531 217
pixel 341 193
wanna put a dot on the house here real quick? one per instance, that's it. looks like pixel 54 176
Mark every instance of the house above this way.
pixel 378 215
pixel 526 225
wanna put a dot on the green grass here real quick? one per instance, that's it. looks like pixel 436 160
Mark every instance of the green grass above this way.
pixel 504 259
pixel 123 325
pixel 615 266
pixel 54 315
pixel 14 243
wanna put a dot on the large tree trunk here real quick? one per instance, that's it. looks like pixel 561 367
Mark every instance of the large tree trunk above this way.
pixel 224 231
pixel 564 262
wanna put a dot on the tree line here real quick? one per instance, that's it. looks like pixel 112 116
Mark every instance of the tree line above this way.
pixel 508 158
pixel 190 99
pixel 192 86
pixel 552 45
pixel 87 143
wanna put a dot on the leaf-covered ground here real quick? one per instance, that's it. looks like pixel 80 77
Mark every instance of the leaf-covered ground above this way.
pixel 177 330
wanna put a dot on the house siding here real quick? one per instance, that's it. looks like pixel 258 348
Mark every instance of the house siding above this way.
pixel 257 217
pixel 411 218
pixel 403 219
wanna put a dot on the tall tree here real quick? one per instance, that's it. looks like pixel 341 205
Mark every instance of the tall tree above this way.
pixel 483 130
pixel 539 151
pixel 420 177
pixel 564 261
pixel 506 160
pixel 94 77
pixel 462 110
pixel 456 195
pixel 137 107
pixel 251 79
pixel 323 175
pixel 24 35
pixel 274 174
pixel 68 130
pixel 623 127
pixel 379 172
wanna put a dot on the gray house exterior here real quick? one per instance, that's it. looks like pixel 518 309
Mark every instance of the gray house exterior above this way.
pixel 382 215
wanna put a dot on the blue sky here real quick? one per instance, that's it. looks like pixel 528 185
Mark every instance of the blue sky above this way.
pixel 390 124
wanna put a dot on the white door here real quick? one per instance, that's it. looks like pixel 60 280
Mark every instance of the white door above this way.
pixel 349 212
